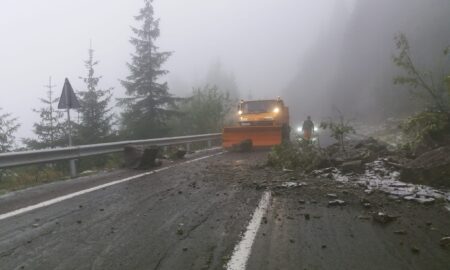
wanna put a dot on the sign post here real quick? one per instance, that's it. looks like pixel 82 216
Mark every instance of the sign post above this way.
pixel 68 100
pixel 448 82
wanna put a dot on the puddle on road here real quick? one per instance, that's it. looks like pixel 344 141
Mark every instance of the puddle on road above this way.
pixel 378 177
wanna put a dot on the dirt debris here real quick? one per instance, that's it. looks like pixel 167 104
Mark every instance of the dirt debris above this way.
pixel 293 184
pixel 332 196
pixel 431 168
pixel 445 241
pixel 337 203
pixel 140 157
pixel 383 218
pixel 352 166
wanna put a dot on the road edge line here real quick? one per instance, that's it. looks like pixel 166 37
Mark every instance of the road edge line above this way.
pixel 242 250
pixel 85 191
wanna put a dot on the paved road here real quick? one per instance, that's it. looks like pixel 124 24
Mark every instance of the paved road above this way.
pixel 193 214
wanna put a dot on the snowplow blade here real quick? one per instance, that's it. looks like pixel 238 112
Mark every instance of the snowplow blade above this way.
pixel 261 136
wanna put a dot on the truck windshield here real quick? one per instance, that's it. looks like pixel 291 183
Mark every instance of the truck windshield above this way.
pixel 258 106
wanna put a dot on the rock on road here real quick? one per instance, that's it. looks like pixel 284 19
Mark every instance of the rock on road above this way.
pixel 192 215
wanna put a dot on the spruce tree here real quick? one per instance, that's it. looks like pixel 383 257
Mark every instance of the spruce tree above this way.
pixel 50 130
pixel 95 114
pixel 8 128
pixel 149 103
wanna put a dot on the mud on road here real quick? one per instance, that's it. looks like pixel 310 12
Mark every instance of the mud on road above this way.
pixel 192 216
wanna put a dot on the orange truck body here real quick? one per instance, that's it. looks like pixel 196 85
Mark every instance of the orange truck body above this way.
pixel 264 122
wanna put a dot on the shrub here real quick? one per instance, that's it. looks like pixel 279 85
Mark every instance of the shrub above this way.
pixel 296 155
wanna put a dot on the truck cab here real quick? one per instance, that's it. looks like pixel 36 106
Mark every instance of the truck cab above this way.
pixel 263 113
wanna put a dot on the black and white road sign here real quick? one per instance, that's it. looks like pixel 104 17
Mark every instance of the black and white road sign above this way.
pixel 68 99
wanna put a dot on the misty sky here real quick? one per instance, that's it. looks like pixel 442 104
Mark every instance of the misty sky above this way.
pixel 260 41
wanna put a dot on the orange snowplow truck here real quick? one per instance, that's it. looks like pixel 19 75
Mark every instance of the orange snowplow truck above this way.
pixel 265 122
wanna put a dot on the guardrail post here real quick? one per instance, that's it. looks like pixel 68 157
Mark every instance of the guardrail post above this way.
pixel 73 168
pixel 188 147
pixel 209 143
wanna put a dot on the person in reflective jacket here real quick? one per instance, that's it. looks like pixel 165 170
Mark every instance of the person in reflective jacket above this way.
pixel 308 128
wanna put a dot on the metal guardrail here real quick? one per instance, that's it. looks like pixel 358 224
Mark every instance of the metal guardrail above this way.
pixel 14 159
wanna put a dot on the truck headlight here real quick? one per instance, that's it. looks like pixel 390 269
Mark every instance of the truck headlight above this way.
pixel 299 130
pixel 240 112
pixel 276 110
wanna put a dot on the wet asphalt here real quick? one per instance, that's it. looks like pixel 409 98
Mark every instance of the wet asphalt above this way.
pixel 192 215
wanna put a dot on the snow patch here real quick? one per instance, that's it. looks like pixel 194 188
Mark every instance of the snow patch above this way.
pixel 293 184
pixel 378 177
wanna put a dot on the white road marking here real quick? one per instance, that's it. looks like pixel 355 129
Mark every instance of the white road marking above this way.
pixel 208 149
pixel 242 251
pixel 81 192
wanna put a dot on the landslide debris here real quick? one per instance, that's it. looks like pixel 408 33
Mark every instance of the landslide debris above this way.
pixel 141 157
pixel 298 155
pixel 373 165
pixel 308 157
pixel 431 168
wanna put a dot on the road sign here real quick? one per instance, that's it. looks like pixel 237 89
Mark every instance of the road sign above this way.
pixel 68 99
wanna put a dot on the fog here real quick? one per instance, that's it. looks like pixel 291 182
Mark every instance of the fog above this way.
pixel 315 54
pixel 350 66
pixel 260 43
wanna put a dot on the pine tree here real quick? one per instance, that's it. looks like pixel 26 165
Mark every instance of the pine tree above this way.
pixel 96 117
pixel 50 129
pixel 149 103
pixel 8 127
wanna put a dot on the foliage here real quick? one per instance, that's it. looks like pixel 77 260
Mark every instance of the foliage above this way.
pixel 339 129
pixel 23 177
pixel 8 127
pixel 149 104
pixel 424 84
pixel 32 175
pixel 427 128
pixel 96 117
pixel 431 127
pixel 204 112
pixel 296 154
pixel 50 130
